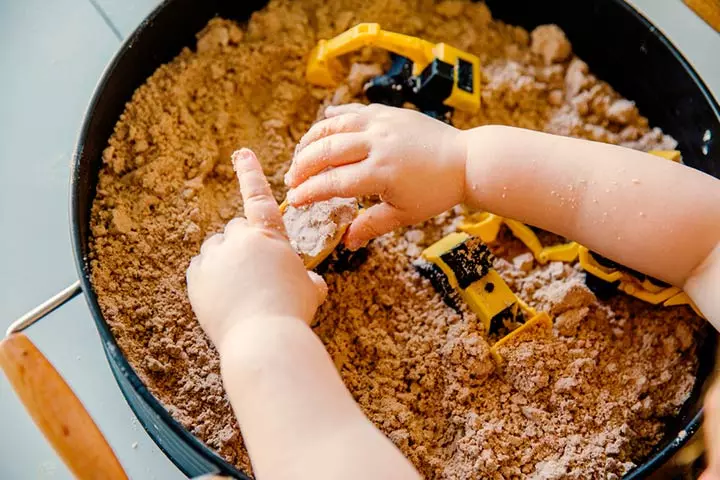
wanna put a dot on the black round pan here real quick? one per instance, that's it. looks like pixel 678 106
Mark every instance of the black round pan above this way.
pixel 619 45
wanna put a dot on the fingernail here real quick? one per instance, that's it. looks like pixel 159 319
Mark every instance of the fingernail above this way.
pixel 244 154
pixel 354 245
pixel 291 197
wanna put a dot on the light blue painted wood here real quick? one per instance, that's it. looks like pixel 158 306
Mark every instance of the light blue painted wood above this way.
pixel 126 15
pixel 693 37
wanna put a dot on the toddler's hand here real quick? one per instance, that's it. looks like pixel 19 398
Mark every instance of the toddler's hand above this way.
pixel 415 163
pixel 250 272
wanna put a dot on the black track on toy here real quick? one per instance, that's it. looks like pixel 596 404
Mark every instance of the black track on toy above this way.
pixel 426 91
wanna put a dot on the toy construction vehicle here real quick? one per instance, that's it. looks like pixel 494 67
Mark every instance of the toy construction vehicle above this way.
pixel 604 277
pixel 487 226
pixel 460 266
pixel 436 78
pixel 538 326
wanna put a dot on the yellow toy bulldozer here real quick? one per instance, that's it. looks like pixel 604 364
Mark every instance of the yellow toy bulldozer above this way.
pixel 460 268
pixel 436 78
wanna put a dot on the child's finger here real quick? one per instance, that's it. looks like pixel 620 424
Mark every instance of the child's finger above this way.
pixel 261 209
pixel 237 223
pixel 346 182
pixel 332 151
pixel 320 285
pixel 709 475
pixel 375 221
pixel 335 110
pixel 215 239
pixel 192 268
pixel 346 123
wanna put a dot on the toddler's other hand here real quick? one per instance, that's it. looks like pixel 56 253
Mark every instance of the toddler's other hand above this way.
pixel 250 272
pixel 416 165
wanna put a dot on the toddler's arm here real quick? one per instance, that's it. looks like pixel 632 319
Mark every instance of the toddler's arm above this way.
pixel 648 213
pixel 255 300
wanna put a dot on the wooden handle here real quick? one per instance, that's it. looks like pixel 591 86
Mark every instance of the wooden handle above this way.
pixel 57 412
pixel 708 10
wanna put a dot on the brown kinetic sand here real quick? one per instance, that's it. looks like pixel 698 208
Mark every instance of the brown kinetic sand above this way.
pixel 587 402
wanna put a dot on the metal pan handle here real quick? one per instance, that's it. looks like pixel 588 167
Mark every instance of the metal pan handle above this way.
pixel 45 308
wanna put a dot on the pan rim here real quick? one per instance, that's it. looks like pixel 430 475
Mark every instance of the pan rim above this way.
pixel 112 349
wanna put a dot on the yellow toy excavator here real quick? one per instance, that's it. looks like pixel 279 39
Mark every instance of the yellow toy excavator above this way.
pixel 435 77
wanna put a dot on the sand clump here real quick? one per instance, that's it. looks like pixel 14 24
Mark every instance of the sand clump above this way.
pixel 315 228
pixel 588 401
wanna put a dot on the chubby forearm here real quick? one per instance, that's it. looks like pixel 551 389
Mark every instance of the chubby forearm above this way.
pixel 703 287
pixel 648 213
pixel 297 418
